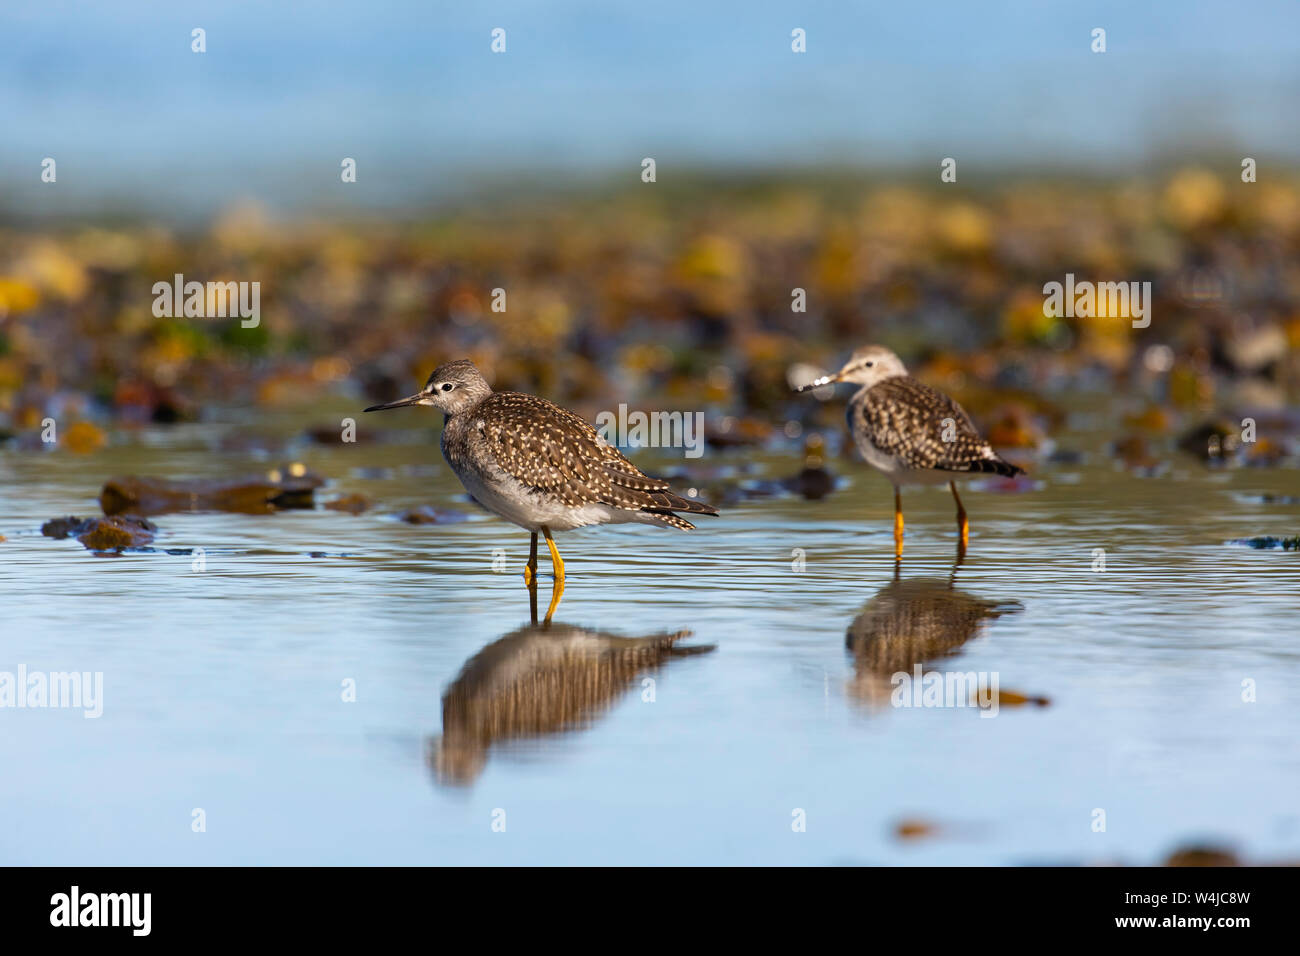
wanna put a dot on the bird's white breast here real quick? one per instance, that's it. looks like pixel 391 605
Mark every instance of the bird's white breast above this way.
pixel 505 497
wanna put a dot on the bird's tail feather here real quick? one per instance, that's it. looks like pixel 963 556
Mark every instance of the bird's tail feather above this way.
pixel 996 466
pixel 667 501
pixel 668 518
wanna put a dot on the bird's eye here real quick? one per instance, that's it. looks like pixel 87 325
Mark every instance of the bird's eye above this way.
pixel 447 387
pixel 869 364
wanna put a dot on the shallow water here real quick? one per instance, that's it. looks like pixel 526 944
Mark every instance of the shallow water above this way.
pixel 223 687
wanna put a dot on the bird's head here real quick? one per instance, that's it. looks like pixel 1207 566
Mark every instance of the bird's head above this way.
pixel 451 388
pixel 868 365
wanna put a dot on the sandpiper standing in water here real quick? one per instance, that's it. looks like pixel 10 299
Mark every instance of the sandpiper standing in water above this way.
pixel 540 466
pixel 911 433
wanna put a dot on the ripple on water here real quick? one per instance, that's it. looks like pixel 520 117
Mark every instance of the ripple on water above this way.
pixel 1165 653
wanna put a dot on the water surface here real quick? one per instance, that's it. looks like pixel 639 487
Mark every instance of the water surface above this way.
pixel 223 688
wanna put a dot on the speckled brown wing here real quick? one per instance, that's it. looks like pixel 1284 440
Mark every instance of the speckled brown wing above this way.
pixel 550 449
pixel 908 419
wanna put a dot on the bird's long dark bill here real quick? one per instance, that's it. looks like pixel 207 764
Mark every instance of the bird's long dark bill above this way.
pixel 818 383
pixel 400 403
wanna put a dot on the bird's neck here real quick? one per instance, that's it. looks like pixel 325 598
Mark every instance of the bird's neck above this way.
pixel 463 411
pixel 880 381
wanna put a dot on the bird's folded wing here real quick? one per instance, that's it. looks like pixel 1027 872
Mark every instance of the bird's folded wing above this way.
pixel 551 449
pixel 922 427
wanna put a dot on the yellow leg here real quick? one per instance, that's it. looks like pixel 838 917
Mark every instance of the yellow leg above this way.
pixel 556 563
pixel 530 569
pixel 557 592
pixel 962 525
pixel 898 524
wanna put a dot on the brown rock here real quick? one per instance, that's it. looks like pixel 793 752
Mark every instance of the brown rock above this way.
pixel 914 829
pixel 1011 698
pixel 427 515
pixel 60 527
pixel 292 487
pixel 1202 856
pixel 113 533
pixel 352 504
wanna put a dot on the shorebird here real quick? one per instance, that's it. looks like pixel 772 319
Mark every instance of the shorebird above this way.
pixel 540 466
pixel 911 433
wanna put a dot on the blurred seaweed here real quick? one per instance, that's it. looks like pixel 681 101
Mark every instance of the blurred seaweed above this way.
pixel 681 295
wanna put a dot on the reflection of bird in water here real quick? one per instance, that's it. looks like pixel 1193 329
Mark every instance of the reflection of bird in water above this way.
pixel 912 622
pixel 541 679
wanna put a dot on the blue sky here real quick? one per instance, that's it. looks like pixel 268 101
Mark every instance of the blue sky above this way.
pixel 412 91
